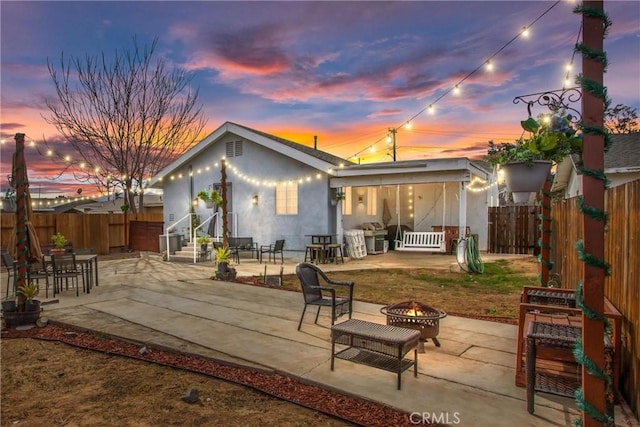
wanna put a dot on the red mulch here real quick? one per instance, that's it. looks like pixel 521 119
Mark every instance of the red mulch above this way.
pixel 349 408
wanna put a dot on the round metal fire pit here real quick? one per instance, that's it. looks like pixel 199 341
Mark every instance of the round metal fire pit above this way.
pixel 415 315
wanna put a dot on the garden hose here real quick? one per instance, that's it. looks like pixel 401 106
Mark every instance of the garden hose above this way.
pixel 468 256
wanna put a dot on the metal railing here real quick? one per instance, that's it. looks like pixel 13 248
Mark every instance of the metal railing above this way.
pixel 173 227
pixel 195 232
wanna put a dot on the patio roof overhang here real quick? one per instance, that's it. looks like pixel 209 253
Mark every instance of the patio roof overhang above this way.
pixel 407 172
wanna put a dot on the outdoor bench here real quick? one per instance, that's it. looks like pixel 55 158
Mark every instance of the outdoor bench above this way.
pixel 244 244
pixel 426 241
pixel 376 345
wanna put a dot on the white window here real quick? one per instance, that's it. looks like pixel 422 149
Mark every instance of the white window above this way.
pixel 287 198
pixel 347 203
pixel 372 201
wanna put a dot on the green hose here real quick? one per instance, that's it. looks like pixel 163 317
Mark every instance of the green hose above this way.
pixel 474 262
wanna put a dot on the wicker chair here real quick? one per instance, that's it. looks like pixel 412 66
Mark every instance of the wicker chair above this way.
pixel 323 296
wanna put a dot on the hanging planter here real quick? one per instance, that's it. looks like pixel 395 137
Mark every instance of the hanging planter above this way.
pixel 526 163
pixel 524 178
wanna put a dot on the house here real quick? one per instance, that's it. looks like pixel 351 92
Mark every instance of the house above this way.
pixel 279 189
pixel 621 165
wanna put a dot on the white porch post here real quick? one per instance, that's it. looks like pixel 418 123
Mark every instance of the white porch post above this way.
pixel 462 211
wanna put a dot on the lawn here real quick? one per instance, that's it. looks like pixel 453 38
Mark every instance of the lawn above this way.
pixel 493 294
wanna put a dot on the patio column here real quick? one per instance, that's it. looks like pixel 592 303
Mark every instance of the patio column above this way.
pixel 462 211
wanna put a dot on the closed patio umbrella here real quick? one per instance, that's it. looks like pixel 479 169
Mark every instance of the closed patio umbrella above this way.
pixel 23 243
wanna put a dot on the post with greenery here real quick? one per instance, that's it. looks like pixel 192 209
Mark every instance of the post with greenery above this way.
pixel 591 398
pixel 225 220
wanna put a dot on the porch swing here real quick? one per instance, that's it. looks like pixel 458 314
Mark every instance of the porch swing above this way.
pixel 421 241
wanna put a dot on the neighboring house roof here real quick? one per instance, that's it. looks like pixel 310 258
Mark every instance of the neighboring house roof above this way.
pixel 623 157
pixel 107 206
pixel 308 155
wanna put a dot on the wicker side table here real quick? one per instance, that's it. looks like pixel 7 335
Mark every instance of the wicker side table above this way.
pixel 555 342
pixel 376 345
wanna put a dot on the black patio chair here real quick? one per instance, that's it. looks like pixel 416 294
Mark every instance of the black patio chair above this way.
pixel 65 267
pixel 273 249
pixel 10 265
pixel 323 296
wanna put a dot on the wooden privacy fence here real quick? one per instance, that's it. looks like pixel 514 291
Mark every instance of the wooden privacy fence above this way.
pixel 105 233
pixel 513 229
pixel 622 252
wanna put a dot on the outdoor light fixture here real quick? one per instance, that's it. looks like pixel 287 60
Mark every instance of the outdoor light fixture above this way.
pixel 254 199
pixel 195 201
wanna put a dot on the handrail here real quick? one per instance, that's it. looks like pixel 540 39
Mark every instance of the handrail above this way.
pixel 195 231
pixel 172 227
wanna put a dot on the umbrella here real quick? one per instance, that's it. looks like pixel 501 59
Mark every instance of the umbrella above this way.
pixel 23 243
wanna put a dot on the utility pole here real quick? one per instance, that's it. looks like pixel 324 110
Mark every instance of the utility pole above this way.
pixel 393 131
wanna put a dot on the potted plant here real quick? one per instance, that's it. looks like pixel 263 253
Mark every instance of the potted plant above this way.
pixel 338 197
pixel 210 198
pixel 527 162
pixel 59 241
pixel 204 241
pixel 224 272
pixel 30 291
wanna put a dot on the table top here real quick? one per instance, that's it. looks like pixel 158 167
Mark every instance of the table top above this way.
pixel 80 257
pixel 385 333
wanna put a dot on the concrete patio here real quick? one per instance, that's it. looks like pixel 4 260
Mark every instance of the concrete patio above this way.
pixel 469 378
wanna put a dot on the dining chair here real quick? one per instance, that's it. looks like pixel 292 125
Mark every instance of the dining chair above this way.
pixel 9 264
pixel 39 270
pixel 65 268
pixel 273 249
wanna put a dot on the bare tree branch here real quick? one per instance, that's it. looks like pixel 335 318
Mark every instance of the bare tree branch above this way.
pixel 126 116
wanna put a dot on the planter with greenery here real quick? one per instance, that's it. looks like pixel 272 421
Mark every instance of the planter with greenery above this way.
pixel 30 291
pixel 527 162
pixel 204 241
pixel 211 198
pixel 59 241
pixel 224 272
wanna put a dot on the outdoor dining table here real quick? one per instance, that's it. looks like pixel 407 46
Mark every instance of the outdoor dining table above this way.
pixel 89 266
pixel 322 239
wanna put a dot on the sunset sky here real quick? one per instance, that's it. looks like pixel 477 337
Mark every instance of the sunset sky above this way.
pixel 344 71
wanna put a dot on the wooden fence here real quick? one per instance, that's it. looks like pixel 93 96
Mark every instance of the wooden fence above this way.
pixel 513 229
pixel 105 233
pixel 622 252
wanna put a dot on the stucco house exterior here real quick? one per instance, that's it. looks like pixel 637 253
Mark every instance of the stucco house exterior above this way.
pixel 279 189
pixel 621 165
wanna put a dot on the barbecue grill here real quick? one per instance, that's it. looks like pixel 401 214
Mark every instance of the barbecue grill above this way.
pixel 415 315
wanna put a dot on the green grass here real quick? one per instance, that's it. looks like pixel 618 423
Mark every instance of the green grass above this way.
pixel 495 293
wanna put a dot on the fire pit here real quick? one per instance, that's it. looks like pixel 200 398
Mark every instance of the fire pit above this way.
pixel 415 315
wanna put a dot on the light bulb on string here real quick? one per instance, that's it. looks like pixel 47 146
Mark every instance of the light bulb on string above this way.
pixel 489 65
pixel 431 109
pixel 525 32
pixel 456 90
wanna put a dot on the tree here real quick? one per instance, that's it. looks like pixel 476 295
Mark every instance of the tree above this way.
pixel 621 119
pixel 127 117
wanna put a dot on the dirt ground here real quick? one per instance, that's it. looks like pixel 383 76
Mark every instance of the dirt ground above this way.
pixel 47 382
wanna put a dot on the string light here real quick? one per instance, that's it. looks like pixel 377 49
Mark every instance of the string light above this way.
pixel 488 64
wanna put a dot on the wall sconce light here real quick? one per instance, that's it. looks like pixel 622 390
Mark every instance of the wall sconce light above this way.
pixel 360 198
pixel 254 199
pixel 195 201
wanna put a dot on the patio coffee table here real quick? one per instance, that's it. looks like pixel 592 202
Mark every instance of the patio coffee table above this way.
pixel 376 345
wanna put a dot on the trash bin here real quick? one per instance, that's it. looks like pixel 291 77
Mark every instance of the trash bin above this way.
pixel 175 243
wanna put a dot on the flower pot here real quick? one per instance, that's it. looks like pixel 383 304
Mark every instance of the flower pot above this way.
pixel 32 305
pixel 209 204
pixel 8 305
pixel 20 318
pixel 526 177
pixel 57 251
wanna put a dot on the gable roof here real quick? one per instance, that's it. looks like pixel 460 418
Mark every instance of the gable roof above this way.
pixel 623 156
pixel 315 158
